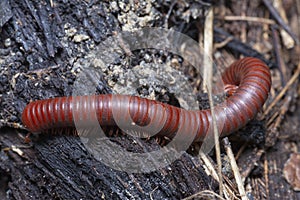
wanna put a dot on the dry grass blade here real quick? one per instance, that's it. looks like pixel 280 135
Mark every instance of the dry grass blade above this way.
pixel 249 19
pixel 208 50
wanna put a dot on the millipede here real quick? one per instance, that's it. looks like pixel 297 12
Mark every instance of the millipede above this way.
pixel 247 81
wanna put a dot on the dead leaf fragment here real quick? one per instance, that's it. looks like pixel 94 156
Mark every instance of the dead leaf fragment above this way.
pixel 291 171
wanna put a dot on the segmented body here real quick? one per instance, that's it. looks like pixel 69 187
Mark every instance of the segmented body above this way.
pixel 249 77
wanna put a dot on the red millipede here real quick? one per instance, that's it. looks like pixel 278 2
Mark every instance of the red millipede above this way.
pixel 247 80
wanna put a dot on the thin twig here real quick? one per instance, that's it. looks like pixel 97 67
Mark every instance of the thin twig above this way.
pixel 237 46
pixel 257 154
pixel 266 176
pixel 278 56
pixel 278 18
pixel 235 169
pixel 274 122
pixel 241 150
pixel 283 110
pixel 288 41
pixel 243 24
pixel 249 19
pixel 210 168
pixel 204 194
pixel 283 91
pixel 209 165
pixel 223 43
pixel 169 13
